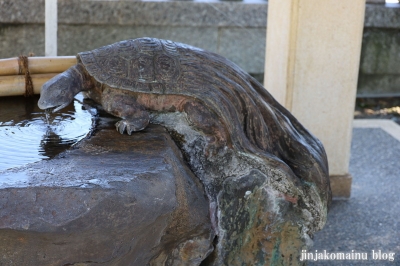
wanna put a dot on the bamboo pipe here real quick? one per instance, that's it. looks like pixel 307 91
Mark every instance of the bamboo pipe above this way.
pixel 37 65
pixel 15 85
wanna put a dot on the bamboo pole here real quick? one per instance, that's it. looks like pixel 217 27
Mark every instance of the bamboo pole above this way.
pixel 15 85
pixel 37 65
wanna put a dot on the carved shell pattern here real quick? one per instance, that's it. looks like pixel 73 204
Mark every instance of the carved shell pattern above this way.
pixel 144 65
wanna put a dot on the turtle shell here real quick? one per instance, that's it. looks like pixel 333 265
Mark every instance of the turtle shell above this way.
pixel 144 64
pixel 256 123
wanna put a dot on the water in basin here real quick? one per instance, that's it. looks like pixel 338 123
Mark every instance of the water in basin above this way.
pixel 28 134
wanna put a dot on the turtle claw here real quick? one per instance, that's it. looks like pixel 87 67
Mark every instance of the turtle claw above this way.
pixel 129 129
pixel 129 126
pixel 121 125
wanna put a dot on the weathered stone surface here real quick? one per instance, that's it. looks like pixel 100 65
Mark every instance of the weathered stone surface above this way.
pixel 375 1
pixel 379 68
pixel 172 13
pixel 99 35
pixel 381 16
pixel 115 200
pixel 249 41
pixel 18 39
pixel 140 13
pixel 380 52
pixel 378 85
pixel 187 13
pixel 257 224
pixel 22 11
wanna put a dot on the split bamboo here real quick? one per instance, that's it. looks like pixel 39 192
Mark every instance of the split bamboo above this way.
pixel 15 85
pixel 37 65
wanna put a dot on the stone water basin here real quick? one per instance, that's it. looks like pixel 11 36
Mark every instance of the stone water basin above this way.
pixel 112 199
pixel 28 134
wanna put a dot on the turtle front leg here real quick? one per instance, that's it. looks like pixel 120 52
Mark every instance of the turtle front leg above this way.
pixel 134 116
pixel 133 124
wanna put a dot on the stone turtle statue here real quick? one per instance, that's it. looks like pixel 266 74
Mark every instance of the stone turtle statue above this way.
pixel 224 121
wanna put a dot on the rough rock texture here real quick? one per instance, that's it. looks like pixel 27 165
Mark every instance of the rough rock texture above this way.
pixel 261 213
pixel 116 200
pixel 257 224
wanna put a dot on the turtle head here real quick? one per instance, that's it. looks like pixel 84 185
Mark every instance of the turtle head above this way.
pixel 60 90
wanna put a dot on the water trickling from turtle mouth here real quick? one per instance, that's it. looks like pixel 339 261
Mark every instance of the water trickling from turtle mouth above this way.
pixel 28 134
pixel 47 113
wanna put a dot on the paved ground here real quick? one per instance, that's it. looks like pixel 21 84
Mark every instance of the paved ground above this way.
pixel 370 220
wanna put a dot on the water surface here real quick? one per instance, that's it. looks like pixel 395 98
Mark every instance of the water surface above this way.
pixel 28 134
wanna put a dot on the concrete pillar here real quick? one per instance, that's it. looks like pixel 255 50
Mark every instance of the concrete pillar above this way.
pixel 311 67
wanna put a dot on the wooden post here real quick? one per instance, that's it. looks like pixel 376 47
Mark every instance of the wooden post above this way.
pixel 51 28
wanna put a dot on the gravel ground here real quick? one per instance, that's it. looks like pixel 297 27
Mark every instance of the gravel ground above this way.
pixel 370 219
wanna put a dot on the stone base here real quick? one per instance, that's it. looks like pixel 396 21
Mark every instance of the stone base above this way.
pixel 341 186
pixel 113 200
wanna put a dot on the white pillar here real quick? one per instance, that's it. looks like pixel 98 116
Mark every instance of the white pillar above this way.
pixel 312 61
pixel 51 28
